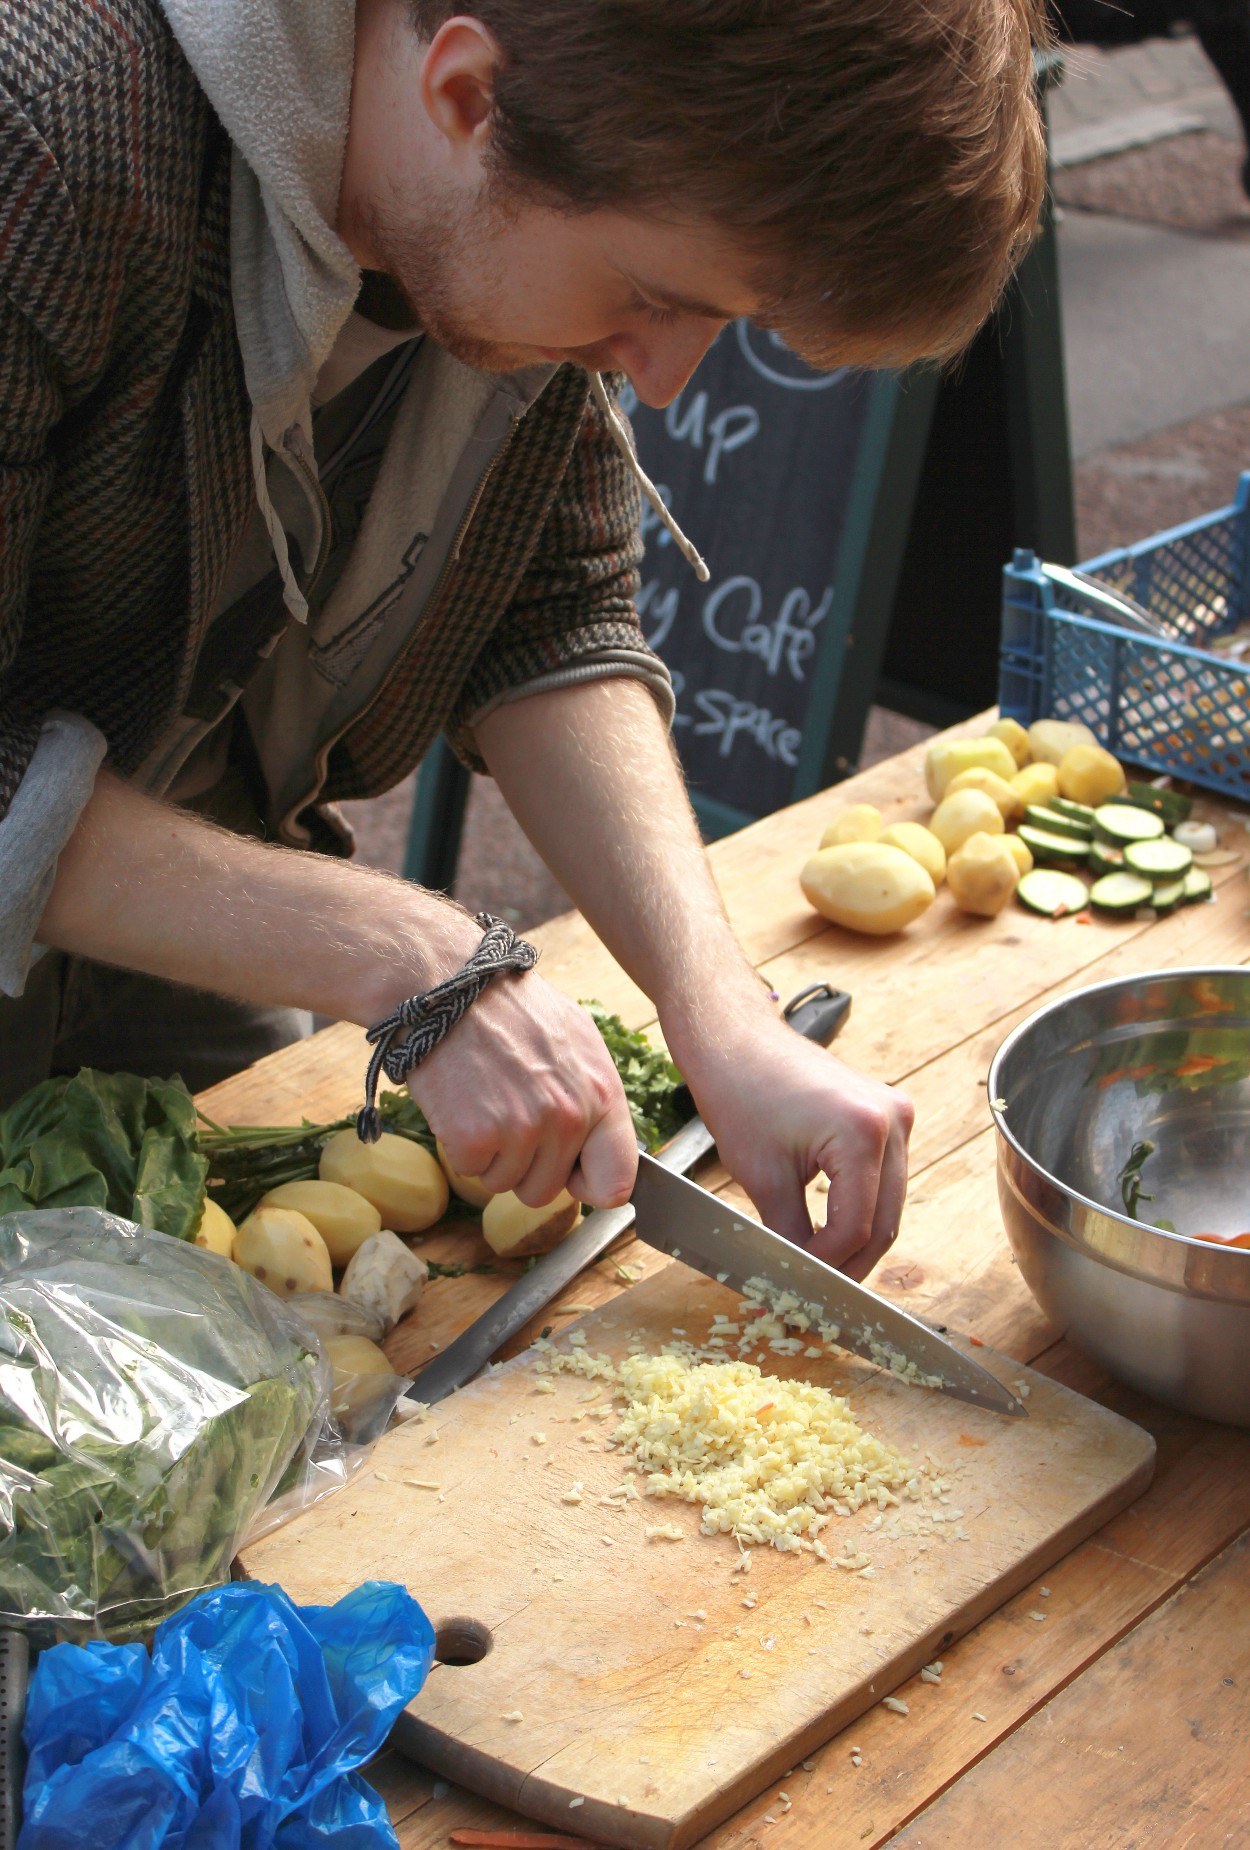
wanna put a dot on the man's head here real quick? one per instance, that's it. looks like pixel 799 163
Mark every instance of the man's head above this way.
pixel 610 180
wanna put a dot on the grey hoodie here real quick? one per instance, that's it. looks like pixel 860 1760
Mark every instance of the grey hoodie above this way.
pixel 279 75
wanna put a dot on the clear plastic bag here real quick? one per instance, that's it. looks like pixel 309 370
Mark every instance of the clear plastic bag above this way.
pixel 153 1399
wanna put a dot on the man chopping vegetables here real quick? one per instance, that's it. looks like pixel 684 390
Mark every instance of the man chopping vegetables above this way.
pixel 312 321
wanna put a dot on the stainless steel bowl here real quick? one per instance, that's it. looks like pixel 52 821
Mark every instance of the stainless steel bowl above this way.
pixel 1163 1057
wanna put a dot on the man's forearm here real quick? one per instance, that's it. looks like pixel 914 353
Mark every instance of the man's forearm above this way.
pixel 153 888
pixel 589 773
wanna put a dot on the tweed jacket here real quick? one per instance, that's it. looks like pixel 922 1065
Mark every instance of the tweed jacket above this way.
pixel 125 483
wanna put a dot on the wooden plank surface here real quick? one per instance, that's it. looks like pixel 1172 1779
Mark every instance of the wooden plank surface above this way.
pixel 693 1715
pixel 929 1011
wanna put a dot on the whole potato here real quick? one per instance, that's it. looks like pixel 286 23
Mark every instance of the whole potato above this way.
pixel 282 1249
pixel 1050 739
pixel 1019 851
pixel 968 812
pixel 946 758
pixel 515 1231
pixel 361 1371
pixel 216 1230
pixel 403 1181
pixel 861 822
pixel 465 1188
pixel 1015 738
pixel 1005 795
pixel 342 1217
pixel 921 844
pixel 982 875
pixel 867 887
pixel 1037 783
pixel 1088 774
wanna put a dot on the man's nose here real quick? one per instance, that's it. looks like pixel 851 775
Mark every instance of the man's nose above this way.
pixel 660 361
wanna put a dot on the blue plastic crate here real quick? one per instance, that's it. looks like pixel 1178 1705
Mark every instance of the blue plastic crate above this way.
pixel 1168 706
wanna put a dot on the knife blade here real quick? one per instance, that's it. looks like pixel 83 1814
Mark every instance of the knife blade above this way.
pixel 678 1217
pixel 818 1013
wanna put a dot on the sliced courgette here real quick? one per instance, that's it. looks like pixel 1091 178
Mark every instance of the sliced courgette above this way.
pixel 1163 859
pixel 1079 812
pixel 1104 859
pixel 1051 893
pixel 1121 823
pixel 1041 816
pixel 1169 804
pixel 1197 885
pixel 1121 893
pixel 1047 845
pixel 1168 895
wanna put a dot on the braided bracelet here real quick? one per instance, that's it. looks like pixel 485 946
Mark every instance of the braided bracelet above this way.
pixel 430 1018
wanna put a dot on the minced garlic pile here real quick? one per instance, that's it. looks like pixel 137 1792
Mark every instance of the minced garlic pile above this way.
pixel 770 1461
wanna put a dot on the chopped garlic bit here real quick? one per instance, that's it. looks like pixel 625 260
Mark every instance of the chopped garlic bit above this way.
pixel 1039 1616
pixel 977 1716
pixel 896 1704
pixel 574 1803
pixel 513 1715
pixel 538 1438
pixel 930 1676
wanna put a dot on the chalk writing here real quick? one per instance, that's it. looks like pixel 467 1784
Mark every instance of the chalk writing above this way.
pixel 728 719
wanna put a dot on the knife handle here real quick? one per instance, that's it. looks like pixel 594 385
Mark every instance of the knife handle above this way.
pixel 818 1013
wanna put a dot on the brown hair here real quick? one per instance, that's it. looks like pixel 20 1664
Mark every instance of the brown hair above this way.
pixel 882 160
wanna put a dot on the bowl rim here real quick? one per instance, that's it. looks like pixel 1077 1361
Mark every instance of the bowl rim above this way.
pixel 1176 973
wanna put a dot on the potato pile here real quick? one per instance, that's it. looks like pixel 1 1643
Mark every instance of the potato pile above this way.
pixel 876 877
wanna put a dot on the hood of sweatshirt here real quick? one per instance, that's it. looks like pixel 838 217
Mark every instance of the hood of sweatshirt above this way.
pixel 279 75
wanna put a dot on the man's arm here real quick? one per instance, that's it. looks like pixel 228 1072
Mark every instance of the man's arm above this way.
pixel 590 775
pixel 522 1093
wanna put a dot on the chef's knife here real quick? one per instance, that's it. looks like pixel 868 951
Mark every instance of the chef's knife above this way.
pixel 686 1221
pixel 817 1013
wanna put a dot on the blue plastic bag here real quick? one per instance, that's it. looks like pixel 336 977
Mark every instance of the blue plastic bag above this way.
pixel 242 1730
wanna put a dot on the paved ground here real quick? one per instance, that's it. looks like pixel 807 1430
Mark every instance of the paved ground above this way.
pixel 1155 254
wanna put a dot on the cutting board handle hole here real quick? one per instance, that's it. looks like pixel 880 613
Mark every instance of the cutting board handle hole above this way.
pixel 461 1641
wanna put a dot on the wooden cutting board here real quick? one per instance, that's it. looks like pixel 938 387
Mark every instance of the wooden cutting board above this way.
pixel 659 1721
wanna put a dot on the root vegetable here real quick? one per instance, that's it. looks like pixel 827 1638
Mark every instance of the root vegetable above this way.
pixel 1019 851
pixel 360 1372
pixel 282 1249
pixel 514 1231
pixel 1037 783
pixel 921 844
pixel 403 1181
pixel 946 758
pixel 342 1216
pixel 1090 775
pixel 1015 738
pixel 1005 795
pixel 867 887
pixel 1051 739
pixel 861 822
pixel 983 875
pixel 384 1278
pixel 968 812
pixel 465 1188
pixel 216 1230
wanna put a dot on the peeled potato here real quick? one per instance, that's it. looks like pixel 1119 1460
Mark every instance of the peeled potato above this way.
pixel 403 1181
pixel 514 1231
pixel 921 844
pixel 360 1368
pixel 968 812
pixel 343 1218
pixel 1019 852
pixel 1050 739
pixel 1037 783
pixel 1005 795
pixel 216 1230
pixel 1014 737
pixel 946 758
pixel 861 822
pixel 1088 774
pixel 466 1188
pixel 282 1249
pixel 867 887
pixel 982 875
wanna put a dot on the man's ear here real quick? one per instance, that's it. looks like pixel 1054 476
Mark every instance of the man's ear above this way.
pixel 458 70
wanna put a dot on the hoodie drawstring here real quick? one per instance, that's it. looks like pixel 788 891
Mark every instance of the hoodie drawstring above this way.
pixel 292 596
pixel 624 443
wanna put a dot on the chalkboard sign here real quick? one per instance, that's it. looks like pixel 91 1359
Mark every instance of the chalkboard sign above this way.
pixel 769 466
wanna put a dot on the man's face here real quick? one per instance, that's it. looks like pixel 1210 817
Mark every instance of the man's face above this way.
pixel 506 282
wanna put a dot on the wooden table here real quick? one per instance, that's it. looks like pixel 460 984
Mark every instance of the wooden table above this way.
pixel 1125 1719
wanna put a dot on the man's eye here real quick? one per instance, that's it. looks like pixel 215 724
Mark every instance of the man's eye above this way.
pixel 658 316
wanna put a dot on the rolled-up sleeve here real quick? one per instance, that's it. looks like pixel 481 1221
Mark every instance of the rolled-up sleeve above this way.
pixel 42 816
pixel 573 617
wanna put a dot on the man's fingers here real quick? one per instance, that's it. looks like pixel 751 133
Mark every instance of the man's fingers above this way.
pixel 605 1171
pixel 854 1194
pixel 782 1205
pixel 891 1194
